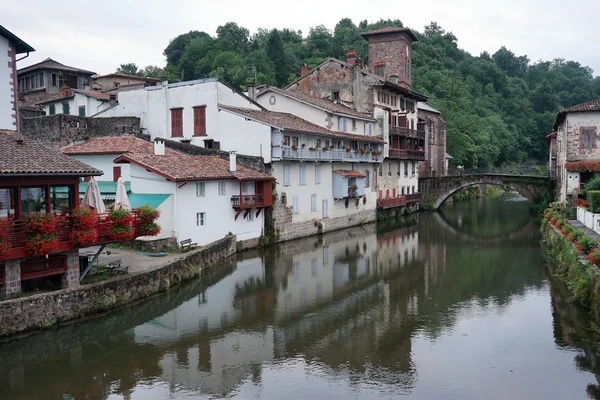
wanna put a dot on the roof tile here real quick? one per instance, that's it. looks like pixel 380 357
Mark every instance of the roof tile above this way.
pixel 23 156
pixel 182 167
pixel 49 63
pixel 112 145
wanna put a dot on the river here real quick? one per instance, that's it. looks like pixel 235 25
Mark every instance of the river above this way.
pixel 456 304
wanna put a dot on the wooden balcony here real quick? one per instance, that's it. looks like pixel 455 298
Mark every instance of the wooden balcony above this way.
pixel 405 132
pixel 248 201
pixel 399 201
pixel 261 198
pixel 407 154
pixel 16 234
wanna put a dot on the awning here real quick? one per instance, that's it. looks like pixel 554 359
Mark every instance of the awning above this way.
pixel 349 173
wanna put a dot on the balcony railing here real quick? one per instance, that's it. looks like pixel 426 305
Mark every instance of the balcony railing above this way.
pixel 16 234
pixel 246 201
pixel 408 154
pixel 398 201
pixel 411 133
pixel 305 154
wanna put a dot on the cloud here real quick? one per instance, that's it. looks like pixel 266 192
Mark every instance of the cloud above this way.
pixel 100 35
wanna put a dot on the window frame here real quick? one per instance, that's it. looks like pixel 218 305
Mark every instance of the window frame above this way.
pixel 199 120
pixel 177 122
pixel 286 174
pixel 588 137
pixel 317 174
pixel 222 186
pixel 201 219
pixel 200 189
pixel 313 202
pixel 67 107
pixel 302 175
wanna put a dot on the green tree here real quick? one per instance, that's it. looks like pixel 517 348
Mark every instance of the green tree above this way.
pixel 276 53
pixel 129 69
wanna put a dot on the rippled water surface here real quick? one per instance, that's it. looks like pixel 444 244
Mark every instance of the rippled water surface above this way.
pixel 448 305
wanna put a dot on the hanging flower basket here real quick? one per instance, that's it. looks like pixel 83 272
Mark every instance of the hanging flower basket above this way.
pixel 40 234
pixel 4 243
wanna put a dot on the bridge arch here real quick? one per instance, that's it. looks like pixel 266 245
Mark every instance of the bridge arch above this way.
pixel 436 190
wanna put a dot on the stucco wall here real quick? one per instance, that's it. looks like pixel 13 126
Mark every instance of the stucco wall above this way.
pixel 7 105
pixel 397 181
pixel 92 105
pixel 104 162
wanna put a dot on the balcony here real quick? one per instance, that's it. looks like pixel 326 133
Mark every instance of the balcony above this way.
pixel 304 154
pixel 411 198
pixel 399 201
pixel 247 201
pixel 405 132
pixel 16 234
pixel 408 154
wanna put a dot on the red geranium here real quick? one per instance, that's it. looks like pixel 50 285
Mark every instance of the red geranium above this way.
pixel 4 243
pixel 40 231
pixel 581 203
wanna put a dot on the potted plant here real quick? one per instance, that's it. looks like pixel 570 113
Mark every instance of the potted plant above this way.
pixel 352 191
pixel 348 149
pixel 294 147
pixel 120 225
pixel 83 228
pixel 311 149
pixel 40 234
pixel 326 148
pixel 303 145
pixel 4 243
pixel 148 216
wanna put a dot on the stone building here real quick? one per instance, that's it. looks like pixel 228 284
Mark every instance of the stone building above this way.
pixel 49 76
pixel 436 159
pixel 383 91
pixel 574 143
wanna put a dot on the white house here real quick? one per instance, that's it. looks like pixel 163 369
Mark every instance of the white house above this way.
pixel 322 174
pixel 83 103
pixel 187 111
pixel 212 197
pixel 10 46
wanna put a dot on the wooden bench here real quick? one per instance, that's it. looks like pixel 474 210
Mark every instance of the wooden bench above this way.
pixel 114 267
pixel 187 245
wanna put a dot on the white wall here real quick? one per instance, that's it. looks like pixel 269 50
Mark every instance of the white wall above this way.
pixel 104 162
pixel 395 181
pixel 7 121
pixel 153 106
pixel 324 191
pixel 92 105
pixel 219 214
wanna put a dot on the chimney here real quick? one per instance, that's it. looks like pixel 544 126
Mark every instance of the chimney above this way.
pixel 159 147
pixel 252 91
pixel 304 70
pixel 351 57
pixel 232 161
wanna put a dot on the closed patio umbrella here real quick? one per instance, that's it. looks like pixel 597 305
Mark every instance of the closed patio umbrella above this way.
pixel 121 199
pixel 92 197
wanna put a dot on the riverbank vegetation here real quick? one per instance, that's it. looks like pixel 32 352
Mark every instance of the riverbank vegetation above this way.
pixel 477 191
pixel 574 258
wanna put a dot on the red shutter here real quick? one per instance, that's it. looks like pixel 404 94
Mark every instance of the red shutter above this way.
pixel 177 122
pixel 200 121
pixel 116 173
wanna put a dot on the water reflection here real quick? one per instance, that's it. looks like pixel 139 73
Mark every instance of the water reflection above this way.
pixel 414 307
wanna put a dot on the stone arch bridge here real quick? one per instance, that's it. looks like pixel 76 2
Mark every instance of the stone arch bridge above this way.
pixel 436 190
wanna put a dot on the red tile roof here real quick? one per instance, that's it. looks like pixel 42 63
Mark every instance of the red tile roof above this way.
pixel 23 156
pixel 182 167
pixel 49 63
pixel 92 93
pixel 127 76
pixel 390 29
pixel 590 106
pixel 349 173
pixel 325 104
pixel 290 122
pixel 112 145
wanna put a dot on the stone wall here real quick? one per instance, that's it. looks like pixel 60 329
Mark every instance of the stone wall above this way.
pixel 391 49
pixel 61 130
pixel 44 310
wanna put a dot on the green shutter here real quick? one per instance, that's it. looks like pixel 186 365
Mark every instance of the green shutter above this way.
pixel 82 111
pixel 65 108
pixel 52 109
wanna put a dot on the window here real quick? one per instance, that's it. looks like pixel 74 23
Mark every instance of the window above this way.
pixel 402 104
pixel 368 129
pixel 588 137
pixel 324 208
pixel 286 140
pixel 65 107
pixel 390 169
pixel 200 219
pixel 116 173
pixel 55 80
pixel 295 141
pixel 367 178
pixel 286 175
pixel 398 168
pixel 318 143
pixel 342 124
pixel 7 202
pixel 200 190
pixel 247 188
pixel 295 204
pixel 52 109
pixel 335 95
pixel 33 199
pixel 250 216
pixel 412 169
pixel 222 188
pixel 380 170
pixel 402 190
pixel 313 202
pixel 61 199
pixel 302 175
pixel 200 121
pixel 317 174
pixel 379 96
pixel 405 169
pixel 177 122
pixel 82 111
pixel 353 124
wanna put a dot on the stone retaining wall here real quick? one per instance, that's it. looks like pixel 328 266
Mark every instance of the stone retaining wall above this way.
pixel 43 310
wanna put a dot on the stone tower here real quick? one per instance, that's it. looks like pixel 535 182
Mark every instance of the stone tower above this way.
pixel 390 54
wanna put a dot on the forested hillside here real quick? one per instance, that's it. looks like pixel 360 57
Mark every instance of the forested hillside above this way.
pixel 498 107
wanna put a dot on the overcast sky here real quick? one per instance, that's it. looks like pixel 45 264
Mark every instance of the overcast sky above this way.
pixel 100 35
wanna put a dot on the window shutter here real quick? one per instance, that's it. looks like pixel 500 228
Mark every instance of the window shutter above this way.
pixel 116 173
pixel 286 175
pixel 200 121
pixel 176 122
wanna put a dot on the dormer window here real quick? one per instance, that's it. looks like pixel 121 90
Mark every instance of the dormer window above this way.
pixel 335 95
